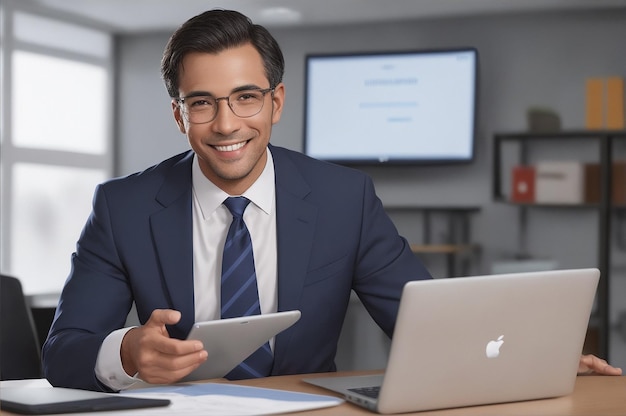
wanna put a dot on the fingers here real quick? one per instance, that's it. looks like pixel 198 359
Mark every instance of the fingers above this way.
pixel 149 351
pixel 159 368
pixel 160 317
pixel 590 364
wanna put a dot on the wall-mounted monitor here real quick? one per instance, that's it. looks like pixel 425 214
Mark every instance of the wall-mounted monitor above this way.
pixel 410 107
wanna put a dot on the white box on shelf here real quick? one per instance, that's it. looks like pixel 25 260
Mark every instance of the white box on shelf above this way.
pixel 560 182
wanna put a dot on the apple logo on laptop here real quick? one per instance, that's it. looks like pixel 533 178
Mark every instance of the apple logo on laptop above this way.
pixel 493 347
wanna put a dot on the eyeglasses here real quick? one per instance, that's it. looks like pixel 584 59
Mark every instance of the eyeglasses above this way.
pixel 199 109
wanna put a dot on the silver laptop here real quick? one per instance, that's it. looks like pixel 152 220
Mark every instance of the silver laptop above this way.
pixel 480 340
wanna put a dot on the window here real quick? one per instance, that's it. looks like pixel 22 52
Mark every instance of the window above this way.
pixel 56 140
pixel 69 97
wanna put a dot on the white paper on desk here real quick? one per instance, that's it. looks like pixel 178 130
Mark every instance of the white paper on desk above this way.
pixel 229 400
pixel 26 383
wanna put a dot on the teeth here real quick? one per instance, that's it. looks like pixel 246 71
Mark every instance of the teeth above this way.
pixel 231 148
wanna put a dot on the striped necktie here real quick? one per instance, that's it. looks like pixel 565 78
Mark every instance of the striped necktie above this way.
pixel 240 296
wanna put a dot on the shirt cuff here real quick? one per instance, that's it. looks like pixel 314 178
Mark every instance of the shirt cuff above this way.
pixel 109 369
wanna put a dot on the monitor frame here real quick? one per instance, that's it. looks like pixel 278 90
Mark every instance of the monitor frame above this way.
pixel 380 160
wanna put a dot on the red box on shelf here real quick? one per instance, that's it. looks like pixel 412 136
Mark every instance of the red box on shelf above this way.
pixel 523 184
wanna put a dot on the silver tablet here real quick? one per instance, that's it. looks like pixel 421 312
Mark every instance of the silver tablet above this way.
pixel 230 341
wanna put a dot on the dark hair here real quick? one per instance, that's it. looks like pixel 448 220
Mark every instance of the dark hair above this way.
pixel 214 31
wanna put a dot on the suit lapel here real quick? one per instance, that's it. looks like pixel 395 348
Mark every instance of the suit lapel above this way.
pixel 295 225
pixel 172 228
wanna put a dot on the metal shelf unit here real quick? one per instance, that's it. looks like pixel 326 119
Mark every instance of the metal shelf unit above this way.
pixel 605 140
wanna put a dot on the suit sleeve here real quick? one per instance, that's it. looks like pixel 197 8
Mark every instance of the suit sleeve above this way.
pixel 95 301
pixel 384 262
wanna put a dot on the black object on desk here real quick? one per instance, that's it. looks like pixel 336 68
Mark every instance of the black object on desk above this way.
pixel 51 400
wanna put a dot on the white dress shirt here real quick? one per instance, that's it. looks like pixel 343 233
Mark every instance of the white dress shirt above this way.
pixel 211 220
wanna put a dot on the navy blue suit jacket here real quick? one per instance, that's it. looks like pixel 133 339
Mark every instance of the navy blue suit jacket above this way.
pixel 333 237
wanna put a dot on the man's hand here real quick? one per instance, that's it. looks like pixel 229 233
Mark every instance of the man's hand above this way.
pixel 590 364
pixel 149 351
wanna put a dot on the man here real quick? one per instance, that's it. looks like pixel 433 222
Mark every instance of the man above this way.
pixel 156 238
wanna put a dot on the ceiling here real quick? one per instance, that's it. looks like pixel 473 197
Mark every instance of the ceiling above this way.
pixel 139 16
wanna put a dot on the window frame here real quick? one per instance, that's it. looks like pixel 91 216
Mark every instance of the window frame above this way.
pixel 12 154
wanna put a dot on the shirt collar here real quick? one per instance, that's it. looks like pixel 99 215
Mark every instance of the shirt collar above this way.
pixel 209 196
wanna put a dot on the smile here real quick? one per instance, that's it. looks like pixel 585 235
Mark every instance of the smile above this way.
pixel 231 147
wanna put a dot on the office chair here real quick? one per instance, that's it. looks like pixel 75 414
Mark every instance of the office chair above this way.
pixel 20 356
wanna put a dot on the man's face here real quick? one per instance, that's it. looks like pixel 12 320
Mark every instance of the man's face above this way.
pixel 231 150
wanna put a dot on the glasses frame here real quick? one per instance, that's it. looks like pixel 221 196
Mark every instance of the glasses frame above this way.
pixel 181 103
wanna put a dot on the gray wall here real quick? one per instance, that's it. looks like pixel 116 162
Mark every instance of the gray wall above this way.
pixel 526 60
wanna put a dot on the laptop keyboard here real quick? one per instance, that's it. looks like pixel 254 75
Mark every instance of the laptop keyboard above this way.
pixel 367 391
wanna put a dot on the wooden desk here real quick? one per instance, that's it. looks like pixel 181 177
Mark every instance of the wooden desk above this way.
pixel 593 395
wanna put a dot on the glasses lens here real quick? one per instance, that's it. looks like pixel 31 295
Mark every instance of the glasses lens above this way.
pixel 201 109
pixel 246 103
